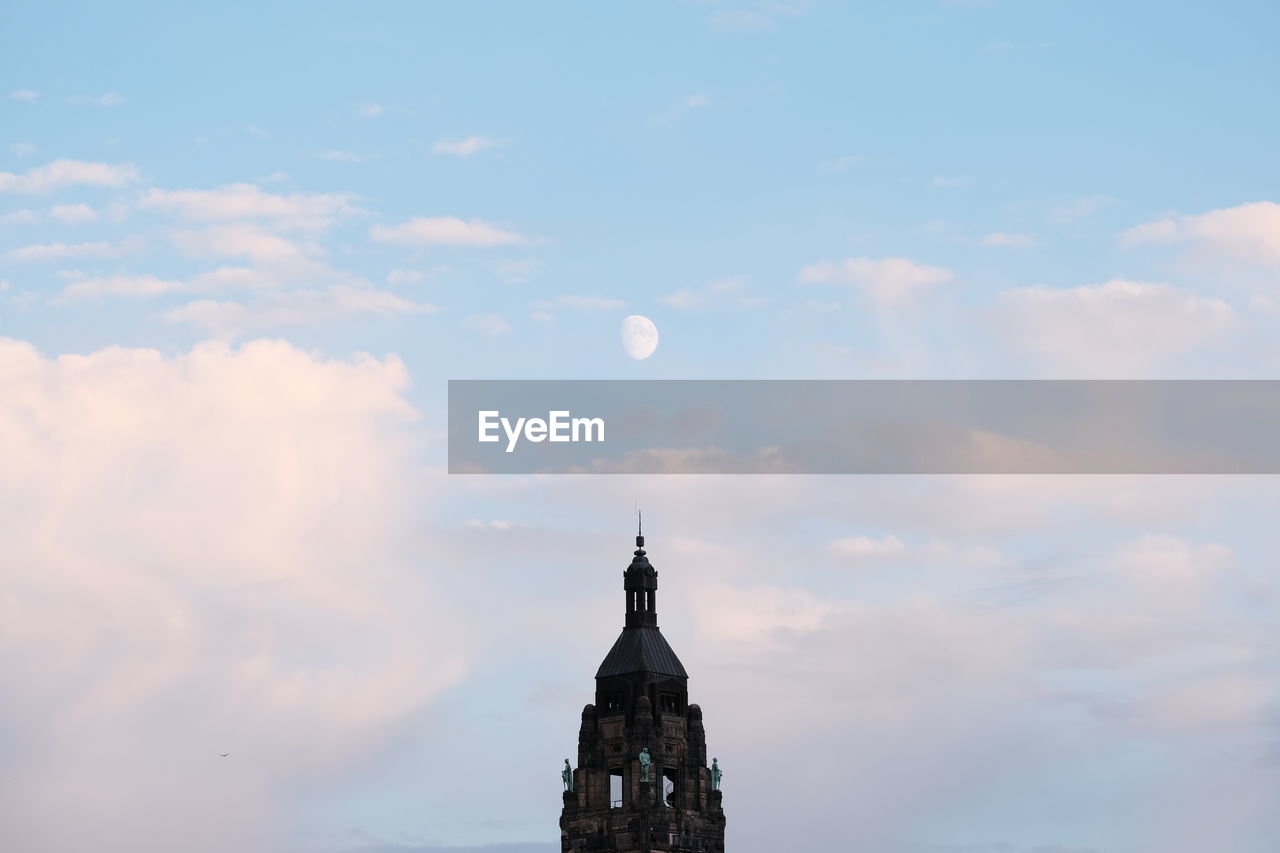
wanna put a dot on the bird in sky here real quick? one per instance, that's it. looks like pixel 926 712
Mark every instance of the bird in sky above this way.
pixel 224 754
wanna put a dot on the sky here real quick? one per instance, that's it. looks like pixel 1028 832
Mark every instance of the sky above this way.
pixel 244 246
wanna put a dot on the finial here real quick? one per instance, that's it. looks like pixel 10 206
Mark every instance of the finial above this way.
pixel 639 529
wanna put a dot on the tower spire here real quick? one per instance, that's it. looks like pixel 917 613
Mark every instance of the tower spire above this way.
pixel 640 581
pixel 642 782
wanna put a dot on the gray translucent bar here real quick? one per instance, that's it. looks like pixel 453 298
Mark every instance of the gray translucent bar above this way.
pixel 865 427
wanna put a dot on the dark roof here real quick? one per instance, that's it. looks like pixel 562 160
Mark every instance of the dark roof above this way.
pixel 641 649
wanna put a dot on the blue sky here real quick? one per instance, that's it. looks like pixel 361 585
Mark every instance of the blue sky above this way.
pixel 243 246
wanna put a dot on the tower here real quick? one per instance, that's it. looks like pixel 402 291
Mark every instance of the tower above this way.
pixel 642 706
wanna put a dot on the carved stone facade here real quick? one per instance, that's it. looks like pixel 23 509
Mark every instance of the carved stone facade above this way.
pixel 642 702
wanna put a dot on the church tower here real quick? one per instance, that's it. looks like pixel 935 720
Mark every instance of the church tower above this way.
pixel 642 783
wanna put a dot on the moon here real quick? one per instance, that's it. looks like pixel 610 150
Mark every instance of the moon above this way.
pixel 639 336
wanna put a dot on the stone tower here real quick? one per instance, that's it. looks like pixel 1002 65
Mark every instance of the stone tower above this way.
pixel 642 703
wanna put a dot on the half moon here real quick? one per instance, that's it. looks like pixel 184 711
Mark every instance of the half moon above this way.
pixel 639 336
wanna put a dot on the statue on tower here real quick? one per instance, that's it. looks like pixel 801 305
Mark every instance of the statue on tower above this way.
pixel 715 774
pixel 566 776
pixel 644 764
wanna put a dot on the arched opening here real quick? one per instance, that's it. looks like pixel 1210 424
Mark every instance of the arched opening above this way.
pixel 615 787
pixel 669 778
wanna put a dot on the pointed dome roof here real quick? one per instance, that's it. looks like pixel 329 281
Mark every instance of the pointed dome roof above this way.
pixel 642 649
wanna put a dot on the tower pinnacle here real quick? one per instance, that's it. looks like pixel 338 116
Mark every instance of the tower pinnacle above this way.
pixel 640 583
pixel 642 784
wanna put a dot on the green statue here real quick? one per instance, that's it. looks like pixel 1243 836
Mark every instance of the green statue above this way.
pixel 715 774
pixel 566 776
pixel 644 764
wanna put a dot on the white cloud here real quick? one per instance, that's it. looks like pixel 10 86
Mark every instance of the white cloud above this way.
pixel 864 547
pixel 739 19
pixel 370 111
pixel 486 324
pixel 221 279
pixel 951 183
pixel 834 352
pixel 23 95
pixel 73 214
pixel 720 293
pixel 68 173
pixel 238 240
pixel 396 277
pixel 695 101
pixel 501 526
pixel 196 562
pixel 22 149
pixel 758 614
pixel 292 308
pixel 1080 208
pixel 122 285
pixel 106 99
pixel 334 155
pixel 887 282
pixel 234 278
pixel 1249 232
pixel 309 211
pixel 517 272
pixel 683 299
pixel 1232 700
pixel 307 288
pixel 581 303
pixel 1112 329
pixel 468 147
pixel 1169 571
pixel 20 217
pixel 445 231
pixel 1001 239
pixel 61 251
